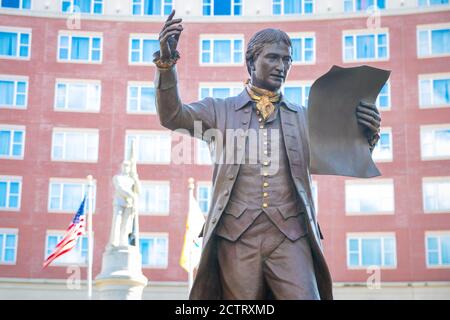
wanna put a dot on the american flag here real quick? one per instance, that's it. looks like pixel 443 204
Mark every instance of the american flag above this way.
pixel 73 232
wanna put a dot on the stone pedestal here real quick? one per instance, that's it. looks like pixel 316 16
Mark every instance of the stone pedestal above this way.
pixel 121 277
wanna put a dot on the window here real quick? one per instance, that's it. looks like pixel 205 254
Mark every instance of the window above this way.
pixel 204 195
pixel 376 197
pixel 434 91
pixel 8 246
pixel 66 195
pixel 435 142
pixel 141 98
pixel 12 141
pixel 78 255
pixel 297 93
pixel 152 147
pixel 366 46
pixel 303 48
pixel 152 7
pixel 154 250
pixel 292 7
pixel 154 198
pixel 438 249
pixel 78 95
pixel 203 153
pixel 15 4
pixel 222 7
pixel 15 44
pixel 219 91
pixel 362 5
pixel 383 101
pixel 424 3
pixel 433 41
pixel 13 92
pixel 10 193
pixel 75 145
pixel 80 48
pixel 383 149
pixel 84 6
pixel 371 250
pixel 436 194
pixel 142 49
pixel 221 51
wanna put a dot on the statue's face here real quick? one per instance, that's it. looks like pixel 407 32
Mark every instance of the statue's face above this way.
pixel 271 67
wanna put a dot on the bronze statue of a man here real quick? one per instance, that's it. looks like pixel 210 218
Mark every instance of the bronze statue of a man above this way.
pixel 261 239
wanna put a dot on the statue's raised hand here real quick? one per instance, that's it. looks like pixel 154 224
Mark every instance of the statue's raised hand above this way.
pixel 169 36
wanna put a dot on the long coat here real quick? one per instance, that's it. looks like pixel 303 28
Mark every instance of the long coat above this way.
pixel 234 113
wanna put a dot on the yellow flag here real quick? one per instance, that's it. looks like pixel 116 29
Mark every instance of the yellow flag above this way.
pixel 192 247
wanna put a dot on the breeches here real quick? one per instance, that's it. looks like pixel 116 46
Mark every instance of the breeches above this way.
pixel 263 259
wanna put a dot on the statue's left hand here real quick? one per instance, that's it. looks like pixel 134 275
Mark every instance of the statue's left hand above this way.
pixel 368 116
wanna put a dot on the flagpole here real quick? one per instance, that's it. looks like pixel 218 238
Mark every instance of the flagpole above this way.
pixel 190 273
pixel 89 232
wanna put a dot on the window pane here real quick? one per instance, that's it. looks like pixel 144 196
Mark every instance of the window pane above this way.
pixel 222 51
pixel 6 93
pixel 365 46
pixel 150 47
pixel 440 41
pixel 8 43
pixel 80 48
pixel 445 249
pixel 222 7
pixel 148 99
pixel 441 91
pixel 72 194
pixel 5 142
pixel 296 49
pixel 152 7
pixel 371 252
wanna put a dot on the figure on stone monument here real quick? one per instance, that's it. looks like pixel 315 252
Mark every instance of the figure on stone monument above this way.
pixel 125 203
pixel 261 239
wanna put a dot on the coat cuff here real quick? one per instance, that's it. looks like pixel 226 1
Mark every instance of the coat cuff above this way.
pixel 166 78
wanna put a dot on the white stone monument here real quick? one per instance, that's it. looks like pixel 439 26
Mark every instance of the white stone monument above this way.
pixel 121 277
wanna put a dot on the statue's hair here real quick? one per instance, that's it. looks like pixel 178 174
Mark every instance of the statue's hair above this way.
pixel 261 38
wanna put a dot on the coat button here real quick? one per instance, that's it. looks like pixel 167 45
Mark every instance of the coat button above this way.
pixel 265 205
pixel 244 122
pixel 219 208
pixel 230 176
pixel 214 220
pixel 247 110
pixel 265 184
pixel 227 192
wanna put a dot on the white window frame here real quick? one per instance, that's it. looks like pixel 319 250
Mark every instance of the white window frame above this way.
pixel 384 130
pixel 147 235
pixel 215 37
pixel 234 87
pixel 429 28
pixel 434 128
pixel 140 133
pixel 431 77
pixel 91 11
pixel 361 182
pixel 20 6
pixel 163 3
pixel 302 36
pixel 370 235
pixel 61 233
pixel 84 131
pixel 70 35
pixel 232 3
pixel 437 234
pixel 69 82
pixel 16 79
pixel 10 179
pixel 293 14
pixel 141 38
pixel 204 184
pixel 4 232
pixel 19 32
pixel 84 190
pixel 377 102
pixel 156 183
pixel 139 86
pixel 365 32
pixel 367 10
pixel 14 128
pixel 296 84
pixel 433 180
